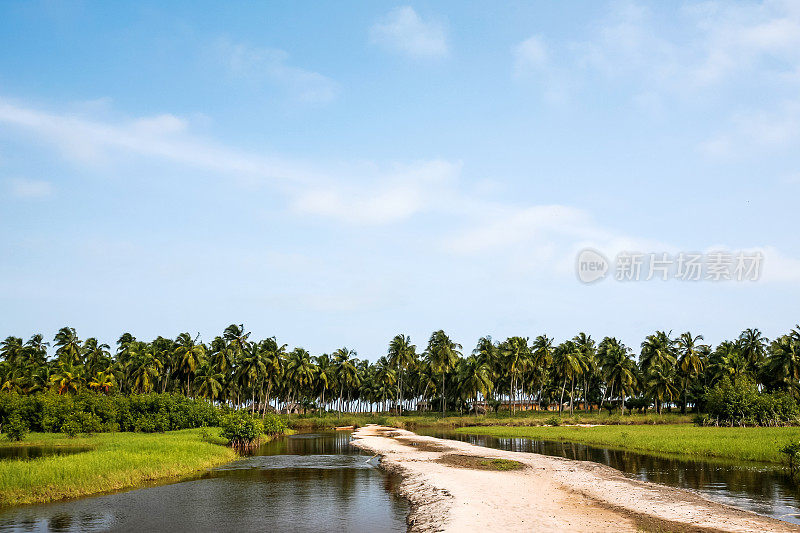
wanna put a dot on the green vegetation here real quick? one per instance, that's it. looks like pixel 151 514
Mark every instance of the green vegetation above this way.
pixel 92 412
pixel 117 461
pixel 740 443
pixel 516 375
pixel 501 464
pixel 242 430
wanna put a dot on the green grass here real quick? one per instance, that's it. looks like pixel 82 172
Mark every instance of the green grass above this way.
pixel 453 420
pixel 501 464
pixel 117 461
pixel 746 444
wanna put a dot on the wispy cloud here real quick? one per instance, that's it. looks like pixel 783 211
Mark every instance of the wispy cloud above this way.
pixel 538 236
pixel 402 30
pixel 398 195
pixel 757 131
pixel 530 55
pixel 272 65
pixel 165 136
pixel 29 189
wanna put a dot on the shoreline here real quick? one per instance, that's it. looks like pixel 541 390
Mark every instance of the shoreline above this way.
pixel 547 493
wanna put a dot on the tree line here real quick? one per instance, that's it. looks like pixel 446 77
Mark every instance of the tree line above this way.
pixel 668 371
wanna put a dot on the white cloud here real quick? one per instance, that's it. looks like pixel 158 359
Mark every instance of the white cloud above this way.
pixel 272 65
pixel 757 131
pixel 530 55
pixel 29 189
pixel 397 196
pixel 165 137
pixel 402 30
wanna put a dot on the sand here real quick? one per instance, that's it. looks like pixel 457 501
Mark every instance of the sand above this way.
pixel 453 487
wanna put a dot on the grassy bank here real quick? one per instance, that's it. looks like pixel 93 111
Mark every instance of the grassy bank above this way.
pixel 747 444
pixel 117 461
pixel 453 420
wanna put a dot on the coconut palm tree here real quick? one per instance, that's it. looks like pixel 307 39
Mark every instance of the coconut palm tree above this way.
pixel 402 355
pixel 474 377
pixel 691 361
pixel 208 382
pixel 68 346
pixel 103 381
pixel 442 353
pixel 189 355
pixel 618 369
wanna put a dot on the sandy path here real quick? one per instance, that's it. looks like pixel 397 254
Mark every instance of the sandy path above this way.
pixel 549 494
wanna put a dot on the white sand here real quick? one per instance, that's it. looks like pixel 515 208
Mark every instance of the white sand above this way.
pixel 549 494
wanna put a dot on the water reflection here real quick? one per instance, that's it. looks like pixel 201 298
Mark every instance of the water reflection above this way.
pixel 762 489
pixel 301 483
pixel 26 453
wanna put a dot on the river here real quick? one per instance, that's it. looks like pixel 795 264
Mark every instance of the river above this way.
pixel 306 482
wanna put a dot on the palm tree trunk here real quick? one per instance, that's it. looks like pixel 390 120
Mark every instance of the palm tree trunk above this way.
pixel 444 401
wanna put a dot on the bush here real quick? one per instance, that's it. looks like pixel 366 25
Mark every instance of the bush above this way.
pixel 241 429
pixel 553 421
pixel 738 402
pixel 273 425
pixel 91 412
pixel 15 428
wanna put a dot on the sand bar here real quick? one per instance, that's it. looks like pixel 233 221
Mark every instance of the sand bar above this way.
pixel 449 490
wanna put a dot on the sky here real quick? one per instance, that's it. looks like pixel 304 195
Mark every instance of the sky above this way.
pixel 334 174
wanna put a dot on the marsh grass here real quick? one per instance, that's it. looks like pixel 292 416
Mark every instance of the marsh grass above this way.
pixel 435 420
pixel 117 461
pixel 745 444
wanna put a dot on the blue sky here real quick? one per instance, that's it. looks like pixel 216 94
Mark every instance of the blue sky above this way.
pixel 334 174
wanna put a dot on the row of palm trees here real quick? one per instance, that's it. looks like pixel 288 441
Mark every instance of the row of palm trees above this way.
pixel 672 371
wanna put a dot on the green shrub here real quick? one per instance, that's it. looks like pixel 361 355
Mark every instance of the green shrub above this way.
pixel 241 429
pixel 15 428
pixel 553 421
pixel 273 425
pixel 738 402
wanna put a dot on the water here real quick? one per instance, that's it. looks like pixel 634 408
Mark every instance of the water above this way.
pixel 306 482
pixel 763 489
pixel 26 453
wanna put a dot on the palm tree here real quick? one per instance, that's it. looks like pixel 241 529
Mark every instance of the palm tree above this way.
pixel 785 362
pixel 691 361
pixel 567 365
pixel 474 377
pixel 68 346
pixel 97 356
pixel 346 371
pixel 618 369
pixel 11 349
pixel 189 355
pixel 753 346
pixel 146 367
pixel 102 381
pixel 442 353
pixel 658 354
pixel 402 355
pixel 251 370
pixel 516 354
pixel 585 347
pixel 300 370
pixel 67 378
pixel 208 381
pixel 660 384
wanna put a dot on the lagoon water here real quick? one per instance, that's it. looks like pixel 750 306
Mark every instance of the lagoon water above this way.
pixel 305 482
pixel 763 489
